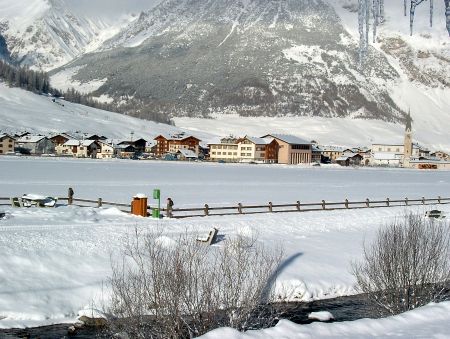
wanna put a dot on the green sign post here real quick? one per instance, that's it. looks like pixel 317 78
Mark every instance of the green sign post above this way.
pixel 156 212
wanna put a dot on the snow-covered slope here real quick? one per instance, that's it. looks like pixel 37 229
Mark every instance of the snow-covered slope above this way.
pixel 21 110
pixel 49 33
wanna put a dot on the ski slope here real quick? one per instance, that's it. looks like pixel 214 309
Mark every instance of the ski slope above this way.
pixel 25 111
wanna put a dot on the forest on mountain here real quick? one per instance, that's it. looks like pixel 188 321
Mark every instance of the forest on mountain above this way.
pixel 39 83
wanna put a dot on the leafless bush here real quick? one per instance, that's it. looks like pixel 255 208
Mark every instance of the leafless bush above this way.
pixel 407 266
pixel 175 289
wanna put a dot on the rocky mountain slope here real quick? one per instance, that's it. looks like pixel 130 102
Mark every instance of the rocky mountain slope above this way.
pixel 252 57
pixel 46 34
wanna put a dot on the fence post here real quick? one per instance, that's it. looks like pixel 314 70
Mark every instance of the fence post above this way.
pixel 298 205
pixel 439 199
pixel 240 208
pixel 99 202
pixel 206 210
pixel 323 204
pixel 387 202
pixel 367 202
pixel 406 201
pixel 423 200
pixel 346 203
pixel 270 206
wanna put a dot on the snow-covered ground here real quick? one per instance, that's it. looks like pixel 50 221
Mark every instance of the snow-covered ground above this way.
pixel 56 261
pixel 431 321
pixel 21 110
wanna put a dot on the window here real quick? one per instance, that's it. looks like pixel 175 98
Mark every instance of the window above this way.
pixel 234 153
pixel 389 149
pixel 219 153
pixel 242 154
pixel 379 149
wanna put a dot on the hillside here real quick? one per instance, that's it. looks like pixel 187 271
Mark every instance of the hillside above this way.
pixel 24 111
pixel 263 58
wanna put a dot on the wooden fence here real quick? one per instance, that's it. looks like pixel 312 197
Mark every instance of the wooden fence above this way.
pixel 207 210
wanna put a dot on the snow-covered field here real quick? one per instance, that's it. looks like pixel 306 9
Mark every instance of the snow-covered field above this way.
pixel 54 262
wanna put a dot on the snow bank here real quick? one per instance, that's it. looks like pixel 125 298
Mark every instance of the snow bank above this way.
pixel 431 321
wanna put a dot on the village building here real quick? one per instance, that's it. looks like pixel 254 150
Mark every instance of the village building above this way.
pixel 186 155
pixel 7 144
pixel 60 139
pixel 35 145
pixel 225 150
pixel 251 149
pixel 173 143
pixel 139 145
pixel 316 154
pixel 440 155
pixel 331 153
pixel 350 159
pixel 124 151
pixel 78 148
pixel 105 150
pixel 290 149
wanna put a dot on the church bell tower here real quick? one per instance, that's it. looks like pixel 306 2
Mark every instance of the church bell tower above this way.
pixel 407 150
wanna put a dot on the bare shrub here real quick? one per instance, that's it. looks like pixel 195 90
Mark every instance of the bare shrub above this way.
pixel 407 266
pixel 174 289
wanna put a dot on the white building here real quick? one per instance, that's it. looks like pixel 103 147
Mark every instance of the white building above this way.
pixel 225 150
pixel 105 150
pixel 252 149
pixel 78 148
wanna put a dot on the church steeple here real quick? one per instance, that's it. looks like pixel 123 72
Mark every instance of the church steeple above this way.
pixel 408 122
pixel 408 147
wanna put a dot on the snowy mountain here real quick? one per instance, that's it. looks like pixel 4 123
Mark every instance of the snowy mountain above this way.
pixel 263 57
pixel 49 33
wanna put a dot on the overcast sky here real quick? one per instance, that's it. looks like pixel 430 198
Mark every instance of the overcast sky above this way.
pixel 109 7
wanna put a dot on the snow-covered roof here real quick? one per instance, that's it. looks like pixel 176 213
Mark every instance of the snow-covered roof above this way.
pixel 290 139
pixel 333 148
pixel 6 135
pixel 187 153
pixel 258 141
pixel 75 142
pixel 177 136
pixel 31 138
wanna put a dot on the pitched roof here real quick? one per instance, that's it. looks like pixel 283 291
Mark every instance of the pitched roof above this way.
pixel 75 142
pixel 178 136
pixel 290 139
pixel 187 153
pixel 6 135
pixel 31 138
pixel 258 141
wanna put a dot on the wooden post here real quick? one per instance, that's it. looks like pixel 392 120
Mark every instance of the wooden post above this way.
pixel 99 202
pixel 387 202
pixel 346 203
pixel 240 208
pixel 423 200
pixel 70 196
pixel 270 207
pixel 323 204
pixel 439 199
pixel 367 202
pixel 406 201
pixel 298 205
pixel 206 210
